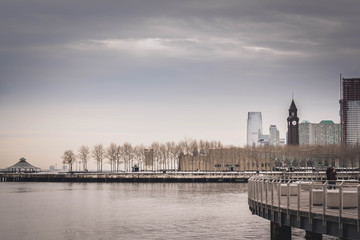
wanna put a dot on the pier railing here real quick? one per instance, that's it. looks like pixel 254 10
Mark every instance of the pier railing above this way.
pixel 326 201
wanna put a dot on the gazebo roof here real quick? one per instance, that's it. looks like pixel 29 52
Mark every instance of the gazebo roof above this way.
pixel 22 164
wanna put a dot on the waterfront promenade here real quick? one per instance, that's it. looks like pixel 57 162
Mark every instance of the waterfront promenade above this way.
pixel 307 204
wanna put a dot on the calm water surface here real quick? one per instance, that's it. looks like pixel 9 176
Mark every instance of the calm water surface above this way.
pixel 129 211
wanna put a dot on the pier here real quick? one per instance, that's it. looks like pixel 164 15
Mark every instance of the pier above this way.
pixel 307 204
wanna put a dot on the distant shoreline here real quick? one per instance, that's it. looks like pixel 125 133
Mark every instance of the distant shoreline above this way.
pixel 126 177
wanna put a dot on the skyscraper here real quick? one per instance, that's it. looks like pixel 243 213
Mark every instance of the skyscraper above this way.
pixel 350 110
pixel 254 128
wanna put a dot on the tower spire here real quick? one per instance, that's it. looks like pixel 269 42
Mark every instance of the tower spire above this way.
pixel 292 106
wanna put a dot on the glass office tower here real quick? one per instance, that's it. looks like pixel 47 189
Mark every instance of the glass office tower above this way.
pixel 254 128
pixel 350 110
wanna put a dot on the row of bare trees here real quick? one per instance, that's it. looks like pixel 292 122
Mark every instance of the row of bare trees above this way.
pixel 165 156
pixel 124 157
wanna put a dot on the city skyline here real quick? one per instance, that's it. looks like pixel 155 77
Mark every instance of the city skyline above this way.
pixel 84 73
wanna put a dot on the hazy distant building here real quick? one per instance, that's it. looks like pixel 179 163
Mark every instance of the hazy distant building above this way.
pixel 271 139
pixel 323 133
pixel 350 110
pixel 274 136
pixel 263 140
pixel 254 128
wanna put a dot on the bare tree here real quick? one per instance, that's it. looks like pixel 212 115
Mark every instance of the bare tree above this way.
pixel 99 155
pixel 157 156
pixel 172 154
pixel 128 154
pixel 69 158
pixel 84 156
pixel 162 155
pixel 119 156
pixel 112 155
pixel 139 155
pixel 185 147
pixel 193 150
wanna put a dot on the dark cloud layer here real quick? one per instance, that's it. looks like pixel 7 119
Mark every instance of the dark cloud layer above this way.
pixel 49 22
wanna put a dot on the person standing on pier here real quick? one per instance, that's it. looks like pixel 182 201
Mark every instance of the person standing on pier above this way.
pixel 328 171
pixel 332 182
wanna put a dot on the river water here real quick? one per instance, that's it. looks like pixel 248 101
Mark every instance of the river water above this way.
pixel 129 211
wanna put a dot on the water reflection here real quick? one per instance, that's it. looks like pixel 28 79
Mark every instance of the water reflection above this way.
pixel 128 211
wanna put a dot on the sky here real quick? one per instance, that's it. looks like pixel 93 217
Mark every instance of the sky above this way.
pixel 82 72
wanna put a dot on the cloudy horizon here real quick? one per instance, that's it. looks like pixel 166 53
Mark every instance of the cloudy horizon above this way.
pixel 86 72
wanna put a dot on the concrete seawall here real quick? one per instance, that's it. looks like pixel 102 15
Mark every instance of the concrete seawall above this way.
pixel 237 177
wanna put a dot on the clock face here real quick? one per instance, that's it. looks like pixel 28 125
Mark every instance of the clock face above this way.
pixel 294 122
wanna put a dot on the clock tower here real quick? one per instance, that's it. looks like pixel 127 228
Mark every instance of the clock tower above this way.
pixel 293 125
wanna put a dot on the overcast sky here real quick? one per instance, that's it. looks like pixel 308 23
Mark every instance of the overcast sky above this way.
pixel 88 72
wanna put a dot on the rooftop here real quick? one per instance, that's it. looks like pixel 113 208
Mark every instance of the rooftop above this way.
pixel 22 164
pixel 326 122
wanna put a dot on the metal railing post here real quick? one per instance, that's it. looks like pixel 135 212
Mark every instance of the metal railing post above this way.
pixel 261 195
pixel 257 194
pixel 358 207
pixel 272 196
pixel 340 203
pixel 288 198
pixel 298 200
pixel 255 189
pixel 279 189
pixel 324 203
pixel 279 201
pixel 266 191
pixel 310 200
pixel 249 189
pixel 261 190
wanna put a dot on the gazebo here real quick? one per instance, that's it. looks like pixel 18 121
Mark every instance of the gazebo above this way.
pixel 22 166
